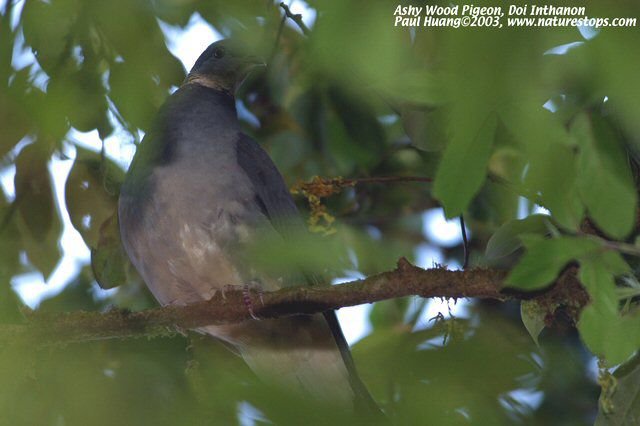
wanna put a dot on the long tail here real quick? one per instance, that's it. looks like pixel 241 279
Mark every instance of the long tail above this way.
pixel 298 354
pixel 364 402
pixel 307 354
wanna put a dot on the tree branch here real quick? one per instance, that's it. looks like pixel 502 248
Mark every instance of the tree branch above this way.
pixel 405 280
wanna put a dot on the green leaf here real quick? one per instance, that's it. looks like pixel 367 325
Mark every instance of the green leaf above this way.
pixel 532 315
pixel 10 241
pixel 618 63
pixel 91 193
pixel 604 180
pixel 14 116
pixel 463 168
pixel 38 218
pixel 552 161
pixel 506 162
pixel 109 261
pixel 613 262
pixel 613 337
pixel 419 87
pixel 271 255
pixel 388 313
pixel 34 191
pixel 604 330
pixel 545 258
pixel 597 278
pixel 506 239
pixel 502 202
pixel 46 29
pixel 359 121
pixel 425 128
pixel 349 51
pixel 134 93
pixel 80 96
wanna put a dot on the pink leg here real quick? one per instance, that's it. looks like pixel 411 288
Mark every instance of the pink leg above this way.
pixel 246 295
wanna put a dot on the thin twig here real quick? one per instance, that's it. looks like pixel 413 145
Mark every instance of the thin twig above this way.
pixel 465 243
pixel 386 179
pixel 323 187
pixel 622 247
pixel 295 17
pixel 278 36
pixel 629 249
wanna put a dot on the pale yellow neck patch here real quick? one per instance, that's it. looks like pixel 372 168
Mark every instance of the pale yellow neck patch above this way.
pixel 208 82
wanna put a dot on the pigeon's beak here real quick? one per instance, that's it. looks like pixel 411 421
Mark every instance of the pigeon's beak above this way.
pixel 246 65
pixel 253 61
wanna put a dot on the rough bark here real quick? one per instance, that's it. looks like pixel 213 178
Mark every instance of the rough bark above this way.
pixel 232 307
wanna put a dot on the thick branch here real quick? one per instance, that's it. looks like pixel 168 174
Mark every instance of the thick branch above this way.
pixel 405 280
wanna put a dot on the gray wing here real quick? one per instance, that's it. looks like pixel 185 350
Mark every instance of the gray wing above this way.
pixel 273 197
pixel 277 204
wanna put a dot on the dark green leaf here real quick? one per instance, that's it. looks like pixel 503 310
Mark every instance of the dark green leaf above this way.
pixel 135 94
pixel 545 258
pixel 532 315
pixel 91 193
pixel 506 239
pixel 37 213
pixel 80 96
pixel 613 337
pixel 110 263
pixel 360 123
pixel 606 332
pixel 418 87
pixel 425 128
pixel 552 161
pixel 463 168
pixel 389 313
pixel 47 26
pixel 605 182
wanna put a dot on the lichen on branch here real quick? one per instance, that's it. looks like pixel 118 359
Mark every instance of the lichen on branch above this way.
pixel 314 190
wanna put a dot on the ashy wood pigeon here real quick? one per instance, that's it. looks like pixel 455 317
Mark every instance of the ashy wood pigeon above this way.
pixel 197 194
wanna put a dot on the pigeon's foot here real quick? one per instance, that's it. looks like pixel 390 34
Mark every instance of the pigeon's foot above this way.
pixel 246 295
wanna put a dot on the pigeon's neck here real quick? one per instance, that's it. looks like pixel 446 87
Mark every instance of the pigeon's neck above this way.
pixel 196 104
pixel 212 83
pixel 194 119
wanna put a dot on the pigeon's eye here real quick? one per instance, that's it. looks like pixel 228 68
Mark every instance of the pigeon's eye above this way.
pixel 219 52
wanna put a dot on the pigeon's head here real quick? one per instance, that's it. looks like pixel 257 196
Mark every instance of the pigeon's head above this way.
pixel 224 65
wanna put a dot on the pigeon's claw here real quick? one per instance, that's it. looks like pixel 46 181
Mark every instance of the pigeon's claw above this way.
pixel 246 298
pixel 246 295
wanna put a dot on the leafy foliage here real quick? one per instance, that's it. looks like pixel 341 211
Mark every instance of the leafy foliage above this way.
pixel 502 124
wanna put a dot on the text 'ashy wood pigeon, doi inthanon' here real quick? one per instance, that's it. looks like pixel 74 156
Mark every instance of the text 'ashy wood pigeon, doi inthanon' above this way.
pixel 198 193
